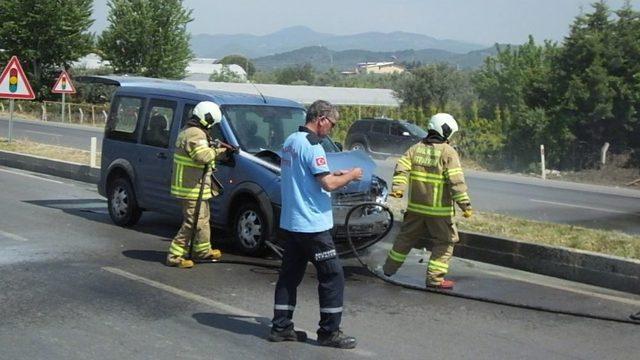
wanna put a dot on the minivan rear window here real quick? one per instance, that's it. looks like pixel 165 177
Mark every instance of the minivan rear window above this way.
pixel 123 119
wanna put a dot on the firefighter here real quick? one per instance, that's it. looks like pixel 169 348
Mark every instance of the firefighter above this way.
pixel 194 155
pixel 432 172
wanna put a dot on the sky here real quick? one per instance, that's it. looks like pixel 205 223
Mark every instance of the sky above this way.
pixel 476 21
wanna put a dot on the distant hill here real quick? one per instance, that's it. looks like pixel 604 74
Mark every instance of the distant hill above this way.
pixel 288 39
pixel 322 58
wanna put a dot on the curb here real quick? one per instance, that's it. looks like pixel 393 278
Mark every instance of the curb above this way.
pixel 64 169
pixel 575 265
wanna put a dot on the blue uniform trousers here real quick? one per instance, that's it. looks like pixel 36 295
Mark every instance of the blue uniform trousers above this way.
pixel 299 249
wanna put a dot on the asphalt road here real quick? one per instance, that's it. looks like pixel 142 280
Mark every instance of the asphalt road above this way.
pixel 596 207
pixel 74 286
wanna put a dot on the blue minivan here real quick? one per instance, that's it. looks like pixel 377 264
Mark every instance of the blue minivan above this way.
pixel 137 151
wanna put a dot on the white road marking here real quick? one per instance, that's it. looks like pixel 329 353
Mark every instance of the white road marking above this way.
pixel 31 176
pixel 12 236
pixel 582 207
pixel 229 309
pixel 43 133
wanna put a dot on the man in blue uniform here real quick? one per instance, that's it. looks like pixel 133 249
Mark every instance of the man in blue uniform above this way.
pixel 306 220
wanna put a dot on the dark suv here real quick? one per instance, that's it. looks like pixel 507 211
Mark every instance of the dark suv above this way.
pixel 383 136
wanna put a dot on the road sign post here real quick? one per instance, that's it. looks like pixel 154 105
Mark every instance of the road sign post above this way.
pixel 63 86
pixel 14 85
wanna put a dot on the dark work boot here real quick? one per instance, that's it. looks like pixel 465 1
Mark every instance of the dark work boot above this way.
pixel 337 339
pixel 287 335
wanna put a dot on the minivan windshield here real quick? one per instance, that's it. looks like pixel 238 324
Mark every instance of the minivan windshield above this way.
pixel 415 130
pixel 259 127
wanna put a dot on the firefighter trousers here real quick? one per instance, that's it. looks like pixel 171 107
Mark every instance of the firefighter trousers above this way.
pixel 299 249
pixel 179 248
pixel 418 231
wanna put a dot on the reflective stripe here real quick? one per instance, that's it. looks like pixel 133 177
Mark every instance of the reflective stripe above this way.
pixel 284 307
pixel 202 247
pixel 454 171
pixel 400 179
pixel 177 250
pixel 443 211
pixel 191 194
pixel 331 310
pixel 436 265
pixel 198 150
pixel 426 174
pixel 187 161
pixel 461 197
pixel 440 193
pixel 405 162
pixel 396 256
pixel 436 191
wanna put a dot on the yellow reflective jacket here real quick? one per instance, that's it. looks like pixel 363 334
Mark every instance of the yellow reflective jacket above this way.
pixel 191 155
pixel 434 176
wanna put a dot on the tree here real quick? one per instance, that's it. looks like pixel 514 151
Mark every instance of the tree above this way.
pixel 226 75
pixel 46 35
pixel 431 86
pixel 147 37
pixel 240 60
pixel 298 75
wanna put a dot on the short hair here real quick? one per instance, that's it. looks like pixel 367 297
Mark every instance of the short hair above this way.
pixel 322 108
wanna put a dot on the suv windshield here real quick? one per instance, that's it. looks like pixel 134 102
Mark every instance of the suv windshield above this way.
pixel 415 130
pixel 260 128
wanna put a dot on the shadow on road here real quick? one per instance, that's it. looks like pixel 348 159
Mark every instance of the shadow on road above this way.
pixel 242 325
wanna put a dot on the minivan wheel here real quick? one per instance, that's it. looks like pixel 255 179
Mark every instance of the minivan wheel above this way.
pixel 358 146
pixel 122 203
pixel 250 228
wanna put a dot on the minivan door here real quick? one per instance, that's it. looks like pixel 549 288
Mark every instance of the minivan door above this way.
pixel 155 155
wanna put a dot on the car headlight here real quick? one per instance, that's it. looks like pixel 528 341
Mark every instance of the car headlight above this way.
pixel 379 189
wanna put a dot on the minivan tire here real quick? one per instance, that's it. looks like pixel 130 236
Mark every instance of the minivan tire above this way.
pixel 250 229
pixel 122 203
pixel 358 146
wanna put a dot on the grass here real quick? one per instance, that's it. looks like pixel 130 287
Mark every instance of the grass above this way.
pixel 576 237
pixel 600 241
pixel 48 151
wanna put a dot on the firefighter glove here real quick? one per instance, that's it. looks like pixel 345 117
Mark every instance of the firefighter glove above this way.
pixel 397 194
pixel 467 213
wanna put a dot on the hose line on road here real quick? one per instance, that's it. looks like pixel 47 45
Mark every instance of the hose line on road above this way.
pixel 632 319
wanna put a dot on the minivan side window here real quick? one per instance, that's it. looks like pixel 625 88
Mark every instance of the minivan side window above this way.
pixel 123 119
pixel 158 124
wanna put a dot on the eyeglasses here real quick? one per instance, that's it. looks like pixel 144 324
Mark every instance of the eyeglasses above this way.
pixel 330 121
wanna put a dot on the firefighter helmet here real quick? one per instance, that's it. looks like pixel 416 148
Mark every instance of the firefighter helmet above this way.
pixel 207 113
pixel 444 124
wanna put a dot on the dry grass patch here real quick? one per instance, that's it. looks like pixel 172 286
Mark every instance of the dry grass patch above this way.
pixel 48 151
pixel 575 237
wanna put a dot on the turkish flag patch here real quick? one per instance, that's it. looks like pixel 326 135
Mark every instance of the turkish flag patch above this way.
pixel 321 161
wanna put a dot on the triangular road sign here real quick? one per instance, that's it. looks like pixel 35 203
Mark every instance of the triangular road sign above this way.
pixel 14 83
pixel 63 84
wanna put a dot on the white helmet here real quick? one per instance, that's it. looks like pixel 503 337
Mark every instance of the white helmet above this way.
pixel 444 124
pixel 207 113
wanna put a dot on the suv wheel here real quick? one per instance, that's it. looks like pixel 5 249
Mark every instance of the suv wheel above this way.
pixel 250 228
pixel 358 146
pixel 122 203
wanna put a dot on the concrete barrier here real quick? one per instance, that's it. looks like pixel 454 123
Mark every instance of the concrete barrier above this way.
pixel 59 168
pixel 575 265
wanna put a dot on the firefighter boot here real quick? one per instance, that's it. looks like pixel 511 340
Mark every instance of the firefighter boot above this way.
pixel 212 255
pixel 179 262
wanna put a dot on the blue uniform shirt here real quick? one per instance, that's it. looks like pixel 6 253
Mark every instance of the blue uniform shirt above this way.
pixel 306 207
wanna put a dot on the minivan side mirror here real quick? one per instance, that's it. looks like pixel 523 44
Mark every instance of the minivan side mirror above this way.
pixel 406 133
pixel 339 145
